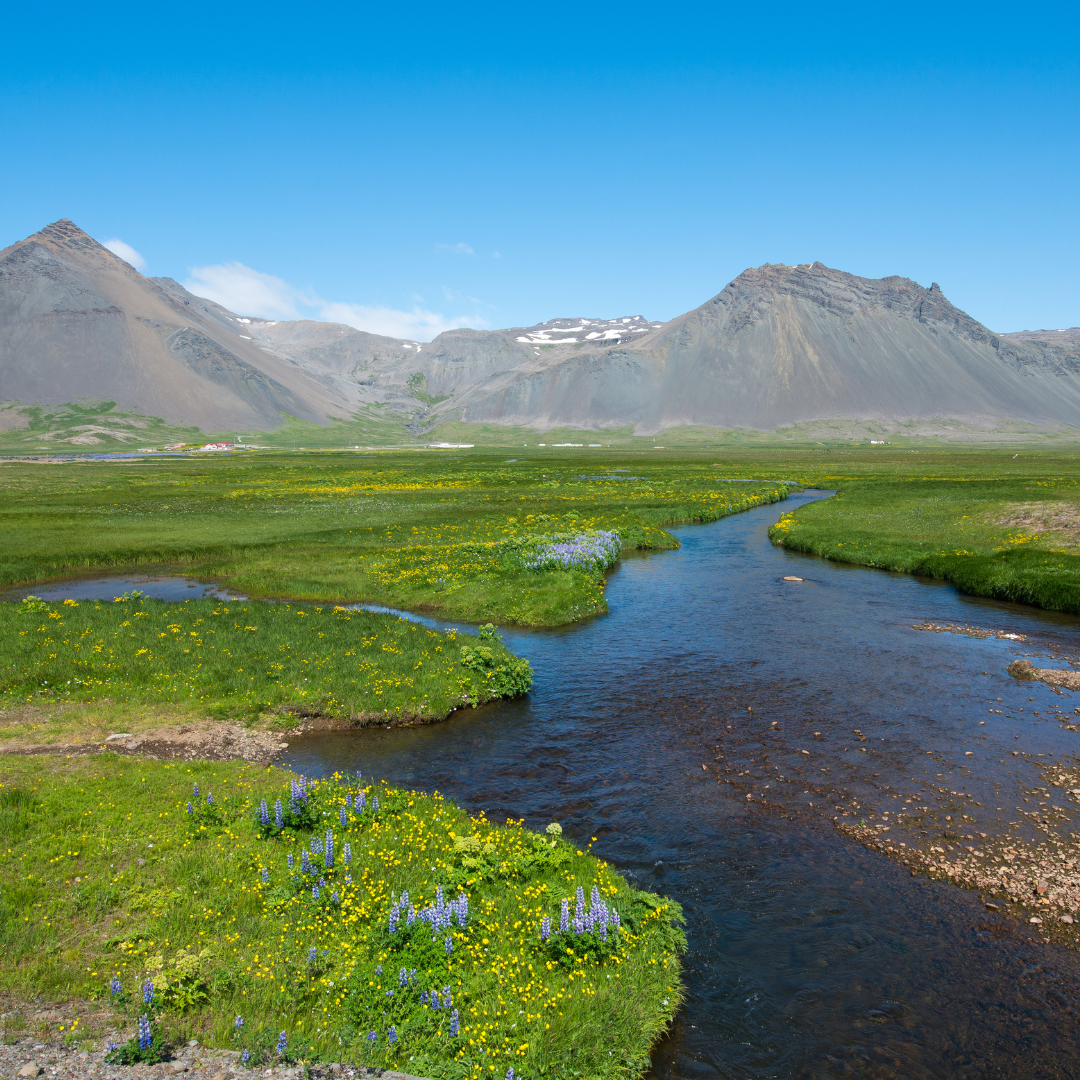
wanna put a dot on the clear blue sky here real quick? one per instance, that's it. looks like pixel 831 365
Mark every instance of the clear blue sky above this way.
pixel 368 162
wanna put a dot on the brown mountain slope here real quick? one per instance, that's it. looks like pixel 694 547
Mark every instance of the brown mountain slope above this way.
pixel 77 322
pixel 784 344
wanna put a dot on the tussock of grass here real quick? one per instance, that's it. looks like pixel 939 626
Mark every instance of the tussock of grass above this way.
pixel 107 875
pixel 245 657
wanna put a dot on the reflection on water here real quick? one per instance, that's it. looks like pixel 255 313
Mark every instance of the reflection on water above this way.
pixel 158 587
pixel 809 955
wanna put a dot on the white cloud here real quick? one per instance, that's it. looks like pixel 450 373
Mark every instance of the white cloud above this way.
pixel 415 325
pixel 245 291
pixel 455 249
pixel 126 252
pixel 250 292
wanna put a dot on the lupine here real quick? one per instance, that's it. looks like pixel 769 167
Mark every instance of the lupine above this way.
pixel 314 892
pixel 564 917
pixel 342 817
pixel 372 1036
pixel 290 858
pixel 435 999
pixel 148 992
pixel 348 879
pixel 454 1024
pixel 239 1023
pixel 446 999
pixel 279 815
pixel 329 849
pixel 195 790
pixel 510 1073
pixel 375 803
pixel 357 774
pixel 545 929
pixel 312 954
pixel 114 985
pixel 264 813
pixel 190 808
pixel 305 862
pixel 361 800
pixel 403 977
pixel 391 1036
pixel 245 1055
pixel 282 1042
pixel 209 798
pixel 334 896
pixel 145 1035
pixel 423 997
pixel 346 857
pixel 348 799
pixel 449 943
pixel 265 876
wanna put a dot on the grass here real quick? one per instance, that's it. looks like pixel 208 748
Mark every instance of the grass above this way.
pixel 240 659
pixel 116 869
pixel 427 531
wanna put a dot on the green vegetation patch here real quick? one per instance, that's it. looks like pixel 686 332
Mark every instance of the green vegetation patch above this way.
pixel 327 921
pixel 238 657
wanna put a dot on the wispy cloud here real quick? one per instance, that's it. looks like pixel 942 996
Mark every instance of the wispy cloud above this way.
pixel 455 249
pixel 251 292
pixel 126 252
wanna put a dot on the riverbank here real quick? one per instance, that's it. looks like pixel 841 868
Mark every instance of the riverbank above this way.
pixel 403 934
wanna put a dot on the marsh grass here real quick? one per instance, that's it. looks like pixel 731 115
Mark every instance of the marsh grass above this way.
pixel 239 659
pixel 106 875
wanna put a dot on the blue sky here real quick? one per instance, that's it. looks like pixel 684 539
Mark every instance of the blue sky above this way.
pixel 412 169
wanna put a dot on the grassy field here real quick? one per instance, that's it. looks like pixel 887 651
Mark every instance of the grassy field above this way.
pixel 242 659
pixel 465 536
pixel 331 921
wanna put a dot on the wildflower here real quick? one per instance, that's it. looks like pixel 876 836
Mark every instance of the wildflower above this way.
pixel 510 1073
pixel 348 799
pixel 290 858
pixel 403 977
pixel 145 1035
pixel 446 999
pixel 239 1023
pixel 545 929
pixel 195 790
pixel 329 849
pixel 454 1024
pixel 372 1036
pixel 148 992
pixel 334 896
pixel 209 798
pixel 110 1046
pixel 264 813
pixel 423 997
pixel 245 1055
pixel 378 970
pixel 375 803
pixel 265 876
pixel 305 862
pixel 564 917
pixel 190 809
pixel 282 1042
pixel 114 985
pixel 346 857
pixel 391 1036
pixel 348 879
pixel 361 801
pixel 357 774
pixel 449 944
pixel 342 817
pixel 279 815
pixel 314 892
pixel 312 954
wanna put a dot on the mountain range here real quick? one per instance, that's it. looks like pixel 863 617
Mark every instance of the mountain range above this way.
pixel 777 346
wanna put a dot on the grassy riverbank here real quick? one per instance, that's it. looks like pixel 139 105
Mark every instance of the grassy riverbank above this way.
pixel 453 535
pixel 241 659
pixel 1004 537
pixel 118 869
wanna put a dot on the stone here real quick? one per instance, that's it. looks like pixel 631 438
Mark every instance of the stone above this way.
pixel 178 1066
pixel 30 1069
pixel 1021 669
pixel 1040 888
pixel 992 907
pixel 1067 919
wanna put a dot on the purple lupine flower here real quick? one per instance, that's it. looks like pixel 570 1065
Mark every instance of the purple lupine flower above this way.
pixel 372 1036
pixel 239 1023
pixel 245 1055
pixel 312 954
pixel 145 1035
pixel 564 917
pixel 423 997
pixel 579 906
pixel 615 920
pixel 391 1036
pixel 435 999
pixel 412 974
pixel 393 920
pixel 348 879
pixel 453 1024
pixel 346 856
pixel 282 1042
pixel 361 801
pixel 446 999
pixel 375 803
pixel 314 892
pixel 329 849
pixel 190 808
pixel 289 857
pixel 279 815
pixel 348 799
pixel 438 896
pixel 342 817
pixel 316 846
pixel 209 798
pixel 403 977
pixel 114 985
pixel 148 992
pixel 305 862
pixel 264 813
pixel 110 1046
pixel 358 774
pixel 510 1073
pixel 378 969
pixel 195 790
pixel 411 918
pixel 449 943
pixel 265 876
pixel 545 929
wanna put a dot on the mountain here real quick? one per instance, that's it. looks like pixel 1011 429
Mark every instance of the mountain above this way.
pixel 779 345
pixel 76 322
